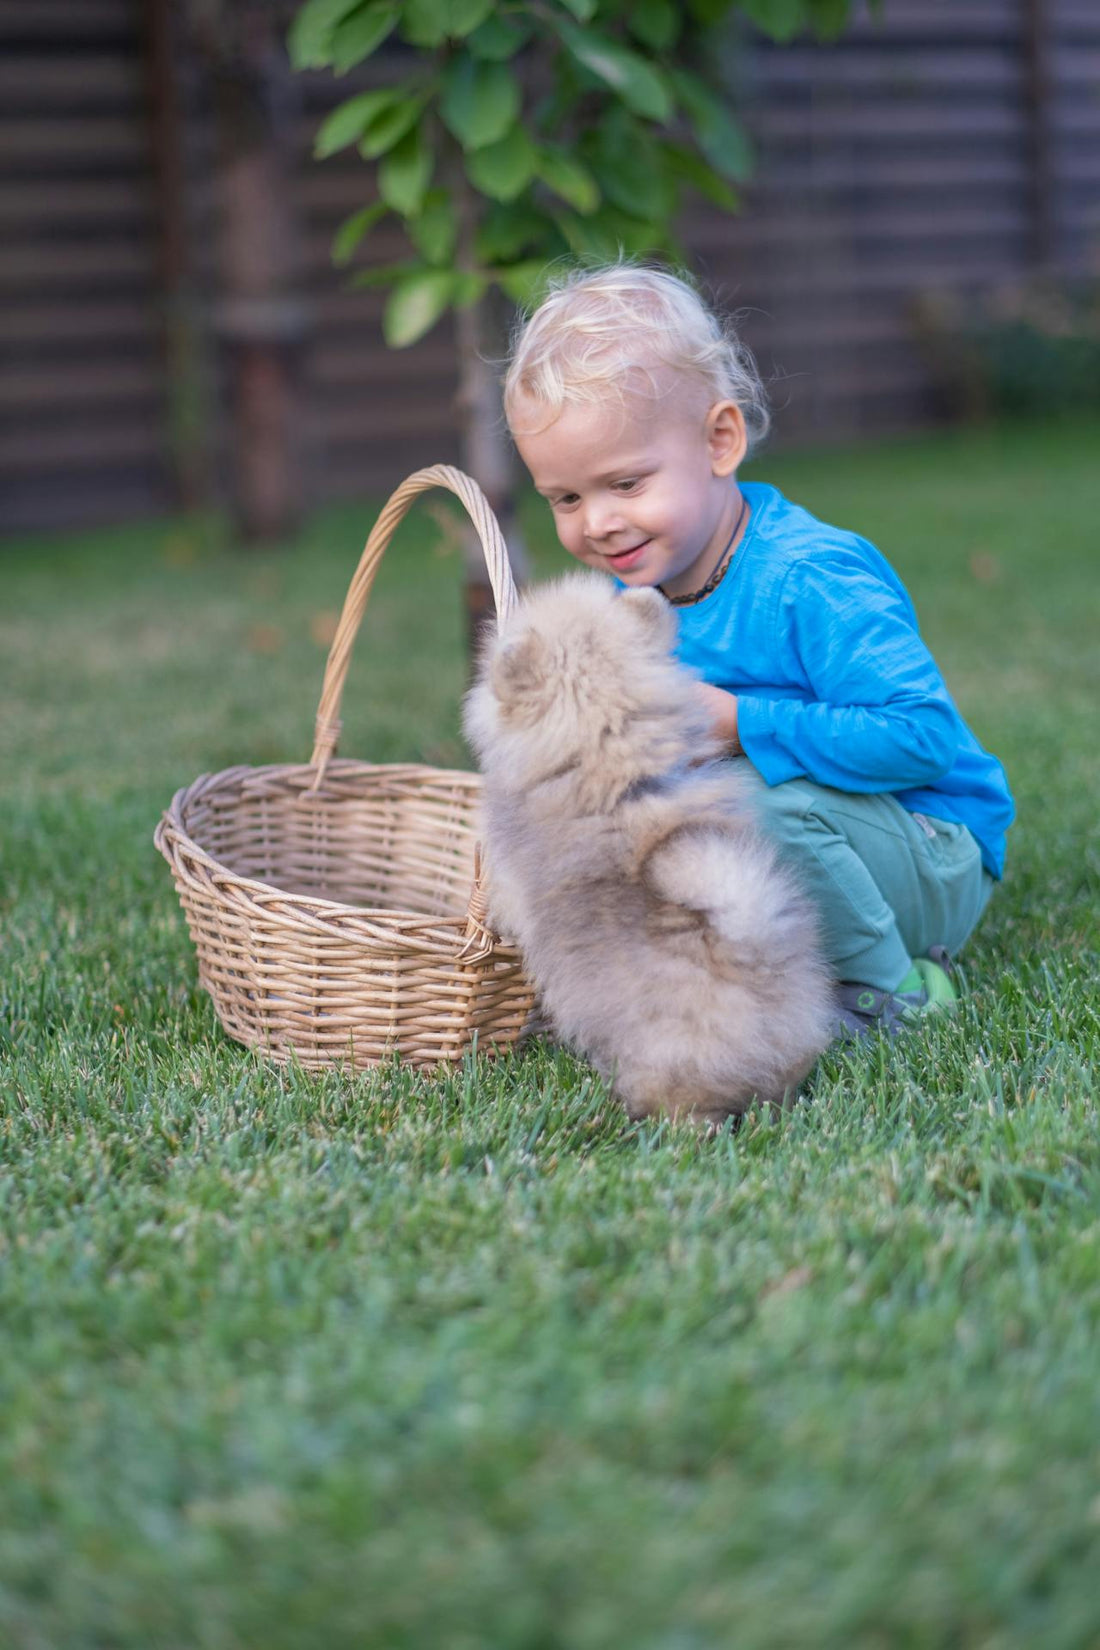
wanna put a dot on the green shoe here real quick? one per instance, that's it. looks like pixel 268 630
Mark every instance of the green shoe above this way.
pixel 926 989
pixel 935 975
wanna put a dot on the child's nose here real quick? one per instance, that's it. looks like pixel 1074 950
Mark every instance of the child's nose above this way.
pixel 602 518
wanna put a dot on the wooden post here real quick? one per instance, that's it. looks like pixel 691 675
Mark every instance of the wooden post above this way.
pixel 259 319
pixel 1043 215
pixel 188 393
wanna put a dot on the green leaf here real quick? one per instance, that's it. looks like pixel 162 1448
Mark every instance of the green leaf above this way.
pixel 522 282
pixel 583 10
pixel 415 305
pixel 499 38
pixel 629 75
pixel 391 124
pixel 717 134
pixel 569 179
pixel 602 237
pixel 464 16
pixel 656 23
pixel 689 168
pixel 434 230
pixel 637 237
pixel 469 287
pixel 424 22
pixel 502 170
pixel 383 274
pixel 353 229
pixel 779 19
pixel 404 175
pixel 479 101
pixel 347 123
pixel 508 230
pixel 709 12
pixel 309 40
pixel 362 33
pixel 829 17
pixel 629 167
pixel 431 22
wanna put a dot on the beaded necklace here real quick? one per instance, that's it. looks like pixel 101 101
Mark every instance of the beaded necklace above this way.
pixel 724 561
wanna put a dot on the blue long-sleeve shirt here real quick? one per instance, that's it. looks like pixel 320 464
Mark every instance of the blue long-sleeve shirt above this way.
pixel 814 632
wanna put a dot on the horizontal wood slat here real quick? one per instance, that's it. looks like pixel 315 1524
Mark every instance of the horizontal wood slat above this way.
pixel 959 124
pixel 974 19
pixel 881 73
pixel 59 144
pixel 98 386
pixel 357 420
pixel 93 442
pixel 29 265
pixel 84 80
pixel 107 324
pixel 76 203
pixel 69 20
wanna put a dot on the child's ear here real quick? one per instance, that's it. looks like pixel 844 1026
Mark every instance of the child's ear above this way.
pixel 727 438
pixel 520 670
pixel 650 610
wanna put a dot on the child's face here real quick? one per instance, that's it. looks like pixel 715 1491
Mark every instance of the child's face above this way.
pixel 649 493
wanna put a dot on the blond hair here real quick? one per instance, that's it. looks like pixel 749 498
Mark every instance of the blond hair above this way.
pixel 605 333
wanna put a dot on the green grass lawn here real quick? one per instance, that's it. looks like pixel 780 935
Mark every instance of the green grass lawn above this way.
pixel 470 1363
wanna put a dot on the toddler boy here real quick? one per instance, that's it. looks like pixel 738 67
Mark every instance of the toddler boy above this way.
pixel 633 407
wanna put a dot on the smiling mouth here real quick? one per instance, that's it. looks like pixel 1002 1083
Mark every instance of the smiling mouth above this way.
pixel 621 555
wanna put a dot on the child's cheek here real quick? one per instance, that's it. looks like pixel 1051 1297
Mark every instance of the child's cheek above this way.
pixel 569 538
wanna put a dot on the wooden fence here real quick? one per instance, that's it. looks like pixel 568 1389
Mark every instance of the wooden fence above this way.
pixel 946 144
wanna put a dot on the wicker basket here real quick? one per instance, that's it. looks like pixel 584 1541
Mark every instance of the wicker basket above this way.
pixel 338 909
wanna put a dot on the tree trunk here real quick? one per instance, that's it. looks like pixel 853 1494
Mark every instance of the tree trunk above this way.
pixel 487 456
pixel 486 447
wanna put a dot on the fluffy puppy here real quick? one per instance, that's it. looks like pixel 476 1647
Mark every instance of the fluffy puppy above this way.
pixel 665 941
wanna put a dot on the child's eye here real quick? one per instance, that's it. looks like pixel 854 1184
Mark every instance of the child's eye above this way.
pixel 566 499
pixel 627 485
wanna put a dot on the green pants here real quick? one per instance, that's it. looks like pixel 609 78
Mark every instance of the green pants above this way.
pixel 887 883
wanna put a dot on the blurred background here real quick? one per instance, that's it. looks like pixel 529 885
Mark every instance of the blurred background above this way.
pixel 918 240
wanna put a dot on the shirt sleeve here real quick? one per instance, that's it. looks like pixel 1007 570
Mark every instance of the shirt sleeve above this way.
pixel 878 716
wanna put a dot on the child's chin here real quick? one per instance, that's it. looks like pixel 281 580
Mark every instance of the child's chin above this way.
pixel 643 573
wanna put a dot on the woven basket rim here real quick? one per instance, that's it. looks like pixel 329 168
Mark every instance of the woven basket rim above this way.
pixel 371 924
pixel 337 766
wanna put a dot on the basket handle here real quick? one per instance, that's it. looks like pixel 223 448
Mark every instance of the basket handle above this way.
pixel 327 728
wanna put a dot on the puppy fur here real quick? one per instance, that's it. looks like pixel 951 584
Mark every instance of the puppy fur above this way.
pixel 666 942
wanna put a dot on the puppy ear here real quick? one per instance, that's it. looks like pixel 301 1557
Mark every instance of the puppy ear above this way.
pixel 652 614
pixel 520 670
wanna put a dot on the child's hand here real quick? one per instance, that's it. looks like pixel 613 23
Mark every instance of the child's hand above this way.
pixel 722 710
